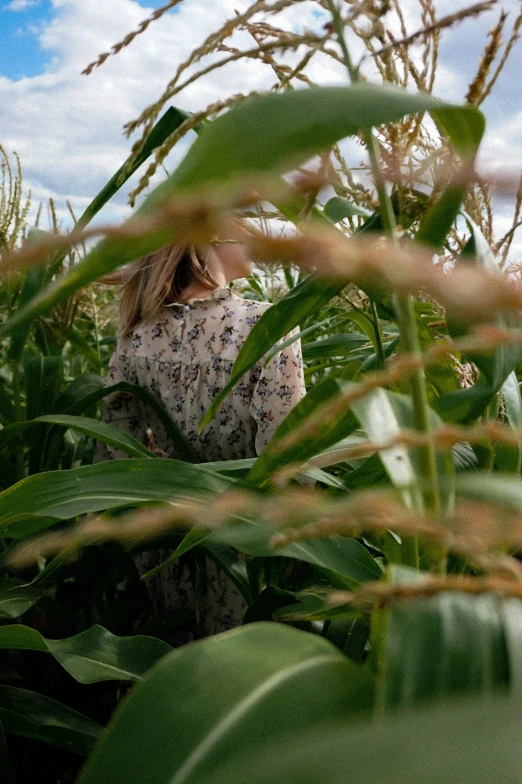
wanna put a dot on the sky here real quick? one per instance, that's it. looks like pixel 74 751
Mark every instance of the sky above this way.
pixel 68 128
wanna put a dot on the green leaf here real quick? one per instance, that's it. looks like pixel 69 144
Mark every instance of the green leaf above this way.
pixel 269 600
pixel 93 655
pixel 312 605
pixel 344 561
pixel 468 742
pixel 109 434
pixel 364 322
pixel 330 432
pixel 298 335
pixel 495 367
pixel 449 644
pixel 51 570
pixel 512 400
pixel 65 494
pixel 33 715
pixel 42 380
pixel 33 283
pixel 238 469
pixel 165 126
pixel 335 345
pixel 278 131
pixel 438 220
pixel 511 453
pixel 504 491
pixel 194 537
pixel 271 133
pixel 231 563
pixel 233 468
pixel 507 458
pixel 318 475
pixel 42 377
pixel 24 526
pixel 383 414
pixel 5 762
pixel 181 444
pixel 79 341
pixel 377 416
pixel 441 377
pixel 350 635
pixel 511 616
pixel 463 405
pixel 255 684
pixel 7 411
pixel 72 399
pixel 16 597
pixel 336 209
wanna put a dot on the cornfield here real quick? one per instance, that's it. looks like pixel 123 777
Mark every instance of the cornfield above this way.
pixel 377 539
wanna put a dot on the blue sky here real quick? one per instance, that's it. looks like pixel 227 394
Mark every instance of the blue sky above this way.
pixel 20 51
pixel 20 54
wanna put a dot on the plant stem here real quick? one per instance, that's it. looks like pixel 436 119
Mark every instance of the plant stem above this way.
pixel 421 408
pixel 379 340
pixel 95 324
pixel 410 551
pixel 17 402
pixel 405 312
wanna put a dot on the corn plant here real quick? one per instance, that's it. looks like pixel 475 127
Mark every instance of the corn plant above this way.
pixel 392 587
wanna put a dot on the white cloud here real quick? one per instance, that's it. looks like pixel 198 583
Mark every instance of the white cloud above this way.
pixel 504 145
pixel 67 128
pixel 20 5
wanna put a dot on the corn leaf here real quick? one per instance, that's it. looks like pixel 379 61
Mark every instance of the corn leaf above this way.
pixel 109 434
pixel 65 494
pixel 182 446
pixel 93 655
pixel 460 742
pixel 337 208
pixel 5 763
pixel 275 458
pixel 16 597
pixel 449 644
pixel 272 133
pixel 35 716
pixel 247 680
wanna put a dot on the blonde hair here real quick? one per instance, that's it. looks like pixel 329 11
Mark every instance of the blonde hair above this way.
pixel 159 279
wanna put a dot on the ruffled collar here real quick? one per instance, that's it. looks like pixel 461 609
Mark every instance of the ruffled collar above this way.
pixel 217 294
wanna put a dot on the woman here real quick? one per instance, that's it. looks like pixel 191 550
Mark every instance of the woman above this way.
pixel 181 330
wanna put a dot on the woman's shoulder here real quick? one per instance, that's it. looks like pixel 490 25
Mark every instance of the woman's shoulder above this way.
pixel 245 311
pixel 250 305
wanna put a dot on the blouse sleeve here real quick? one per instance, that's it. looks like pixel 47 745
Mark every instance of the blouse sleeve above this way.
pixel 122 410
pixel 278 388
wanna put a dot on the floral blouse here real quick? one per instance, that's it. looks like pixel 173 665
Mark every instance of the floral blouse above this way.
pixel 185 359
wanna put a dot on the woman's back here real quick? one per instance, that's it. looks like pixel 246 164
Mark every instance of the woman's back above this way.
pixel 185 358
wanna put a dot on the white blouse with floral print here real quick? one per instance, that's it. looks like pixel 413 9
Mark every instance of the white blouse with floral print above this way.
pixel 185 359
